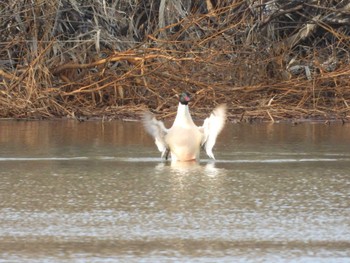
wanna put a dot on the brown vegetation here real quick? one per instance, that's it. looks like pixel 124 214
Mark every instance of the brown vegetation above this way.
pixel 272 59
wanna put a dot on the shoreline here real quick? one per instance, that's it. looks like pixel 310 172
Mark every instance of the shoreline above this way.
pixel 135 118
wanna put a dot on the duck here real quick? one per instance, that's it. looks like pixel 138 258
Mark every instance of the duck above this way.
pixel 184 139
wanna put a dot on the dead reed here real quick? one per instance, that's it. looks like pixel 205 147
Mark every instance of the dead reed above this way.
pixel 113 59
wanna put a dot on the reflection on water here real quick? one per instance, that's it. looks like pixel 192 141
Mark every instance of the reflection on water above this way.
pixel 99 192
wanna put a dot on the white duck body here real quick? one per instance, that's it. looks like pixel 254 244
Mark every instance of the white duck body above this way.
pixel 184 139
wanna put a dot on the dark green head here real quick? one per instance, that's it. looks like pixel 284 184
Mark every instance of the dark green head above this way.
pixel 184 98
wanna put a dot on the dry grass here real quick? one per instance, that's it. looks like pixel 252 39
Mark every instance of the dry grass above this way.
pixel 114 59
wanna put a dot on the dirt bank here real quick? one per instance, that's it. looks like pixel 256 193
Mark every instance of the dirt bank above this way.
pixel 267 60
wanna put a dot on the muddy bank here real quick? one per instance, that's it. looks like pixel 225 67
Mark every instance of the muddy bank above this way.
pixel 265 60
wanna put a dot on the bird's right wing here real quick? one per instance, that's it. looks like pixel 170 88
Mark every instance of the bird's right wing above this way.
pixel 157 130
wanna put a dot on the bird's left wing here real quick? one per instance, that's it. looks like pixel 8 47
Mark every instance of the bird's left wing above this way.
pixel 211 128
pixel 157 130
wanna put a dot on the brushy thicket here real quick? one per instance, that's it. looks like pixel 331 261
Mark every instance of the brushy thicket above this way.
pixel 272 59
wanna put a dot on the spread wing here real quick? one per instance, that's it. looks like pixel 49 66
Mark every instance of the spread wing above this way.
pixel 157 130
pixel 211 128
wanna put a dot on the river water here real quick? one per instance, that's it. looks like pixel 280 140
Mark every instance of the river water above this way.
pixel 99 192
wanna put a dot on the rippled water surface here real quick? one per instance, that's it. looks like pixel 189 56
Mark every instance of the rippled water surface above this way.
pixel 98 192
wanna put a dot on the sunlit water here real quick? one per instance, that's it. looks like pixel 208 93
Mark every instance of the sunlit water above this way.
pixel 99 192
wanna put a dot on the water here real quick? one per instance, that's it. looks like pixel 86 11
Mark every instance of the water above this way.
pixel 98 192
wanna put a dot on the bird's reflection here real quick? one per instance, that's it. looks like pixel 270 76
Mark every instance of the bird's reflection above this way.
pixel 211 170
pixel 187 177
pixel 188 168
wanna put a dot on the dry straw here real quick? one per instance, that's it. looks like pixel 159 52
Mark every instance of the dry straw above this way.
pixel 266 59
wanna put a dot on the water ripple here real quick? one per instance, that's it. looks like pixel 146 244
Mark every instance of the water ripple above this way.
pixel 155 159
